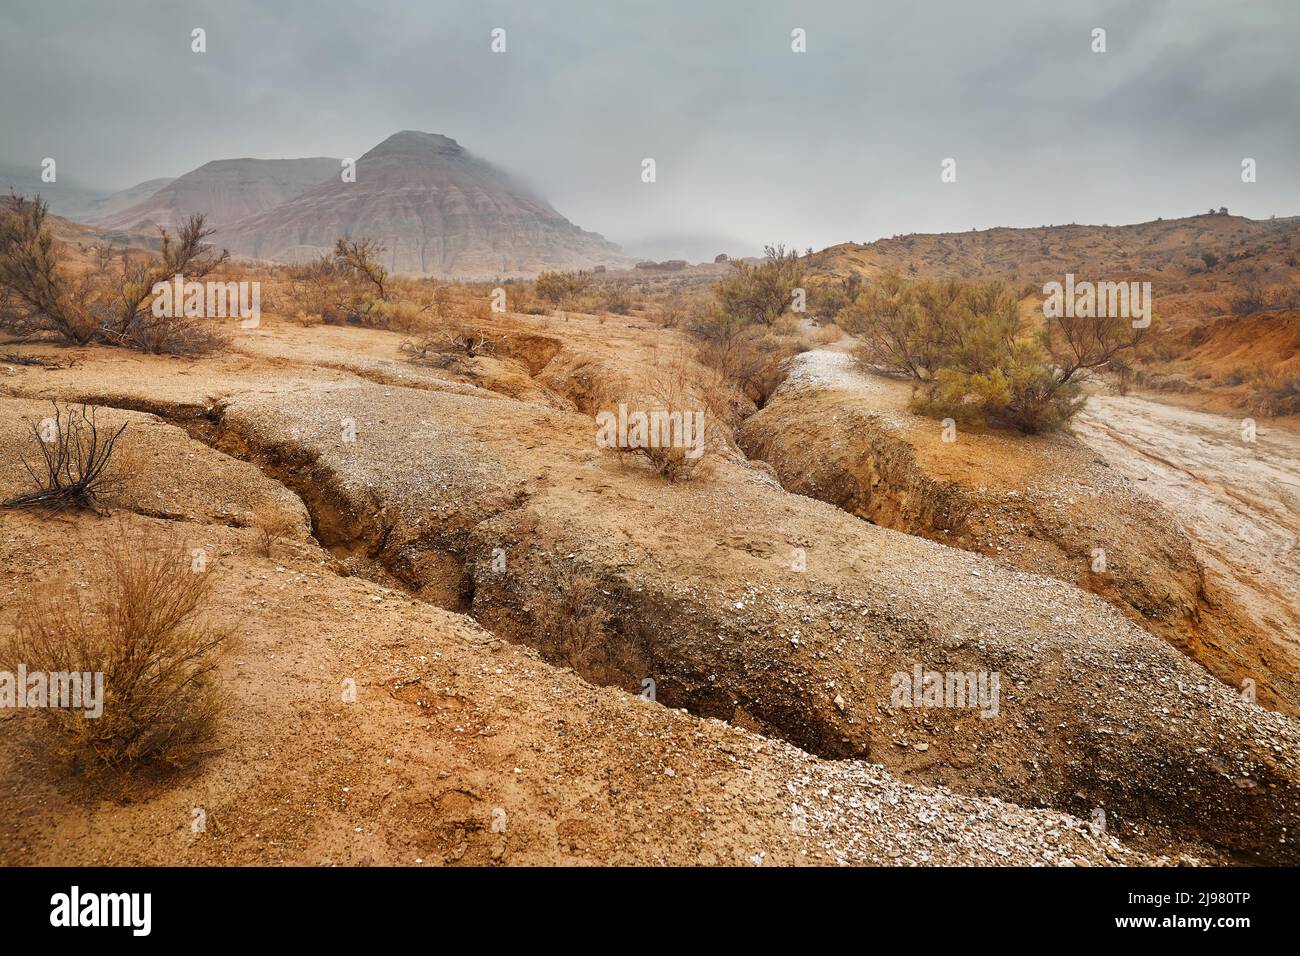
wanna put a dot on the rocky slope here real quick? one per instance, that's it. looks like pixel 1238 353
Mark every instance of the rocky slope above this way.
pixel 437 209
pixel 225 190
pixel 1170 251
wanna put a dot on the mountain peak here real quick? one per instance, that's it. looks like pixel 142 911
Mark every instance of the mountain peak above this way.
pixel 436 208
pixel 410 142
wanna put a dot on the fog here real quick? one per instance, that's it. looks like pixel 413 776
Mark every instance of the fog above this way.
pixel 752 141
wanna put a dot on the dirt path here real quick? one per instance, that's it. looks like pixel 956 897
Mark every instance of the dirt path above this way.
pixel 1239 501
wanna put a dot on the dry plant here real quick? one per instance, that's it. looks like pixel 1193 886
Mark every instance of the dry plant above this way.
pixel 272 526
pixel 572 624
pixel 1274 391
pixel 140 624
pixel 561 289
pixel 347 286
pixel 685 396
pixel 453 337
pixel 752 356
pixel 73 467
pixel 827 334
pixel 110 302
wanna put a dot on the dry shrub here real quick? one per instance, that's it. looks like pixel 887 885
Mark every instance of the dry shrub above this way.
pixel 611 298
pixel 272 525
pixel 36 294
pixel 827 334
pixel 521 298
pixel 72 470
pixel 175 335
pixel 112 301
pixel 683 394
pixel 761 293
pixel 561 289
pixel 1275 392
pixel 349 286
pixel 441 347
pixel 319 290
pixel 963 345
pixel 751 356
pixel 669 462
pixel 672 311
pixel 140 624
pixel 452 335
pixel 400 316
pixel 572 625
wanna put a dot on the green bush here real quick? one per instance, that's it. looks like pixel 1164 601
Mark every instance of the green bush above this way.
pixel 561 288
pixel 761 293
pixel 964 346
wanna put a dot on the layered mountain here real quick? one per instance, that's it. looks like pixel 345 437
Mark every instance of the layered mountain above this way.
pixel 225 190
pixel 437 209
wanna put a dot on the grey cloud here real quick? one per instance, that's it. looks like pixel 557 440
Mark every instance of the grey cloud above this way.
pixel 752 141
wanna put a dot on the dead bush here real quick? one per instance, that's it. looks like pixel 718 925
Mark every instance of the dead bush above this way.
pixel 673 413
pixel 672 311
pixel 443 346
pixel 131 320
pixel 112 301
pixel 175 335
pixel 751 356
pixel 572 626
pixel 521 298
pixel 358 260
pixel 828 334
pixel 139 624
pixel 272 526
pixel 72 469
pixel 38 294
pixel 349 286
pixel 399 316
pixel 613 299
pixel 1275 392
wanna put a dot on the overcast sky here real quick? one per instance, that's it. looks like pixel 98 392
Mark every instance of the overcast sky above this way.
pixel 752 141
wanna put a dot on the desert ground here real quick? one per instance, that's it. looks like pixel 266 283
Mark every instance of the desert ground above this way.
pixel 451 542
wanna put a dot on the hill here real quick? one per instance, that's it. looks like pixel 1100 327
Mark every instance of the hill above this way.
pixel 437 209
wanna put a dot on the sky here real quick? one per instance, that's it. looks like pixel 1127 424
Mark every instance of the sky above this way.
pixel 752 141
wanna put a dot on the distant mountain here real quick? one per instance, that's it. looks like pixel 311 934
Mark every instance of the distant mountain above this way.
pixel 65 196
pixel 437 209
pixel 108 206
pixel 226 190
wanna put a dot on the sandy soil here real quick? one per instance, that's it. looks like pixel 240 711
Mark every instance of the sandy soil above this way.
pixel 1238 500
pixel 460 748
pixel 698 589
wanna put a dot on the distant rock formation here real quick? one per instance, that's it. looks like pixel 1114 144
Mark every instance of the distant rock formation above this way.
pixel 225 190
pixel 437 209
